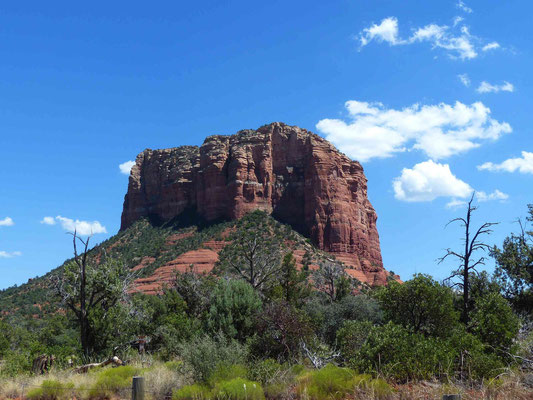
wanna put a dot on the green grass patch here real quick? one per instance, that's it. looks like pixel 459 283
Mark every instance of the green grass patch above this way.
pixel 51 390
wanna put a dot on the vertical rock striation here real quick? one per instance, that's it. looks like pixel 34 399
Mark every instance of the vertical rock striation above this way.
pixel 298 177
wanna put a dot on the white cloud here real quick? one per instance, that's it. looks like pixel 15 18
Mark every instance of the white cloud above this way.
pixel 522 164
pixel 7 221
pixel 465 80
pixel 491 46
pixel 386 31
pixel 457 40
pixel 81 227
pixel 125 167
pixel 439 131
pixel 5 254
pixel 496 195
pixel 48 221
pixel 486 87
pixel 462 6
pixel 480 197
pixel 427 181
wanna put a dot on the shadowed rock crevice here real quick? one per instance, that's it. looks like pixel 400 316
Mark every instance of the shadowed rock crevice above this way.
pixel 289 172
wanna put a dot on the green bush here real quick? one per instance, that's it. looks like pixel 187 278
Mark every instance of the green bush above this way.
pixel 329 317
pixel 397 353
pixel 15 364
pixel 234 305
pixel 176 366
pixel 192 392
pixel 264 370
pixel 421 304
pixel 239 389
pixel 330 382
pixel 494 321
pixel 352 336
pixel 51 390
pixel 224 372
pixel 113 381
pixel 203 354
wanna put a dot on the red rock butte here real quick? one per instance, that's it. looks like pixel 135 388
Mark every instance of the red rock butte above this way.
pixel 295 175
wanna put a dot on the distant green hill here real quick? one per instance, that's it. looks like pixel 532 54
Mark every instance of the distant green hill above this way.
pixel 142 240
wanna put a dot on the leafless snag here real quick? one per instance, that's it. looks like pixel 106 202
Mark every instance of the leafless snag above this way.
pixel 467 265
pixel 83 287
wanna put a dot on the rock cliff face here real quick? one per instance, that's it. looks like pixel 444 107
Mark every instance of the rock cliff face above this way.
pixel 295 175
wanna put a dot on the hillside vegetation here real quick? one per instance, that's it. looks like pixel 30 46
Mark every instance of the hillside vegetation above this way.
pixel 262 325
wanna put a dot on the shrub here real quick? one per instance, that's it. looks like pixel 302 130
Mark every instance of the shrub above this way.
pixel 113 381
pixel 176 366
pixel 352 336
pixel 162 380
pixel 264 370
pixel 328 317
pixel 224 372
pixel 51 390
pixel 420 304
pixel 15 364
pixel 192 392
pixel 399 354
pixel 494 321
pixel 233 308
pixel 239 389
pixel 203 354
pixel 330 382
pixel 280 331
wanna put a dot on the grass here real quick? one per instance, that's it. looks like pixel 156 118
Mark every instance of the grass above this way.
pixel 269 381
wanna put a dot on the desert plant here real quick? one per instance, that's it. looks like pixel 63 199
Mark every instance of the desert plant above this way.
pixel 330 382
pixel 421 304
pixel 192 392
pixel 203 354
pixel 234 305
pixel 51 390
pixel 239 389
pixel 113 381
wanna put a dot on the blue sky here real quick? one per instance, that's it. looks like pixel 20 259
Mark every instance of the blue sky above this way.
pixel 433 97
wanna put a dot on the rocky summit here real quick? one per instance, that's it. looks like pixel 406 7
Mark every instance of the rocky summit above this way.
pixel 298 177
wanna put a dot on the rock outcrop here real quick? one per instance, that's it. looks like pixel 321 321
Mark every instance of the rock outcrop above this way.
pixel 297 176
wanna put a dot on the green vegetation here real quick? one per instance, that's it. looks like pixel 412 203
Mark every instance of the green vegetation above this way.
pixel 260 330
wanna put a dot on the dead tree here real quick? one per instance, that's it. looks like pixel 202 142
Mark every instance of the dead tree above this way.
pixel 468 263
pixel 43 364
pixel 83 287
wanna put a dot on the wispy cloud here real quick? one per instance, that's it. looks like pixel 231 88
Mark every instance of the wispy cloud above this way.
pixel 81 227
pixel 522 164
pixel 480 197
pixel 491 46
pixel 5 254
pixel 48 221
pixel 465 80
pixel 457 41
pixel 463 7
pixel 7 221
pixel 486 87
pixel 440 131
pixel 125 167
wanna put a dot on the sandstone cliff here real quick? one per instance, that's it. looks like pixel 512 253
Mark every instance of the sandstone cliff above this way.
pixel 298 177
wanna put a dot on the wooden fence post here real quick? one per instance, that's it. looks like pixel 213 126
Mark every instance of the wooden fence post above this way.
pixel 137 388
pixel 451 397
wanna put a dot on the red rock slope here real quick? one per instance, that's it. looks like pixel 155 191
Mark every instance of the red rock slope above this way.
pixel 298 177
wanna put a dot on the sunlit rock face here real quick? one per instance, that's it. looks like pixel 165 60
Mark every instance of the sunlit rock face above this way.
pixel 291 173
